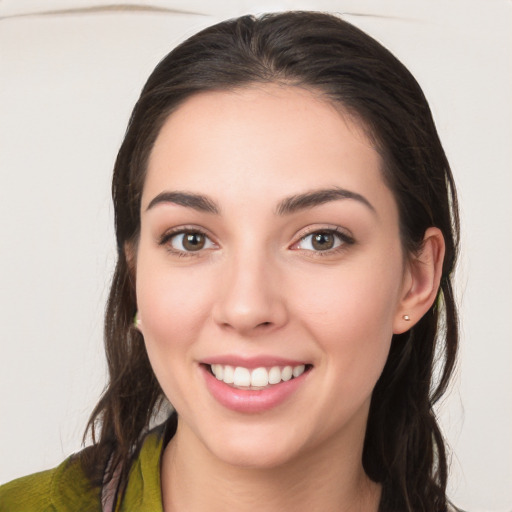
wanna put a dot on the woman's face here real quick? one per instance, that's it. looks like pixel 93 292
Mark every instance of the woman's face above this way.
pixel 268 240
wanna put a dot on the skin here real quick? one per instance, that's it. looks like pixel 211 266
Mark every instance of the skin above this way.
pixel 259 287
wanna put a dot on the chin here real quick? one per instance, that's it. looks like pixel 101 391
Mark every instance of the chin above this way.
pixel 266 456
pixel 257 446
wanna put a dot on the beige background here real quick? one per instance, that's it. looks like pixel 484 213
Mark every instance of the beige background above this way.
pixel 70 72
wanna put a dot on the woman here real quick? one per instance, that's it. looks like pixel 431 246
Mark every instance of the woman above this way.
pixel 287 226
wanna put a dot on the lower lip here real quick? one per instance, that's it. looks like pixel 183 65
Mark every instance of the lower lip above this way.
pixel 250 400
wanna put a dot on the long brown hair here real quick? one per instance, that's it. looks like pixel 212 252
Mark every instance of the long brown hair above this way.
pixel 404 449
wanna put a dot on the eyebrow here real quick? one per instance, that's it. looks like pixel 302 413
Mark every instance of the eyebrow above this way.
pixel 317 197
pixel 190 200
pixel 287 206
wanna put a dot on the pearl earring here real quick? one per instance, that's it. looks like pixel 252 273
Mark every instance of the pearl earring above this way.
pixel 407 318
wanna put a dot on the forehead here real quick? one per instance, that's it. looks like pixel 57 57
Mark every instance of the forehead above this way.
pixel 261 140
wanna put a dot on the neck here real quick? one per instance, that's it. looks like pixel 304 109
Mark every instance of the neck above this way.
pixel 196 481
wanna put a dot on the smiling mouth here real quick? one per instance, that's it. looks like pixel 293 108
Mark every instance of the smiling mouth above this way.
pixel 257 378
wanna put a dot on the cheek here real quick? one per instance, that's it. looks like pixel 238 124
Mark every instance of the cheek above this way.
pixel 350 314
pixel 173 306
pixel 349 300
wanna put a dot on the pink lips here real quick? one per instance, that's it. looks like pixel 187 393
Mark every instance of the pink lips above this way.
pixel 249 400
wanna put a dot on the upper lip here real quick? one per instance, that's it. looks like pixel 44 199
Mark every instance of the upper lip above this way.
pixel 266 361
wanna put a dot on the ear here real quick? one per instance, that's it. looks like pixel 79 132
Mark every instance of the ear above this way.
pixel 421 281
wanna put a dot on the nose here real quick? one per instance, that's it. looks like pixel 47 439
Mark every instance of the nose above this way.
pixel 251 297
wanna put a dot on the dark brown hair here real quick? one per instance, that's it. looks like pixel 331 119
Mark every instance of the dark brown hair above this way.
pixel 404 448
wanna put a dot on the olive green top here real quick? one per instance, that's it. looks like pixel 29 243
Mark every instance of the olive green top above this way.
pixel 67 489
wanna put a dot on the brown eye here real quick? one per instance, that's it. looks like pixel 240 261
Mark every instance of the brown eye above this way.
pixel 322 241
pixel 193 241
pixel 190 241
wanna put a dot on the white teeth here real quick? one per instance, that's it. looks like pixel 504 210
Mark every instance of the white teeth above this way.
pixel 287 373
pixel 274 375
pixel 298 370
pixel 218 371
pixel 257 378
pixel 229 373
pixel 242 377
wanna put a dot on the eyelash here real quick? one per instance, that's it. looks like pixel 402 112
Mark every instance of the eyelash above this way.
pixel 166 239
pixel 342 237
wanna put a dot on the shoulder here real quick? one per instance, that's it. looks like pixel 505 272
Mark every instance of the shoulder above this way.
pixel 61 489
pixel 143 489
pixel 27 493
pixel 66 488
